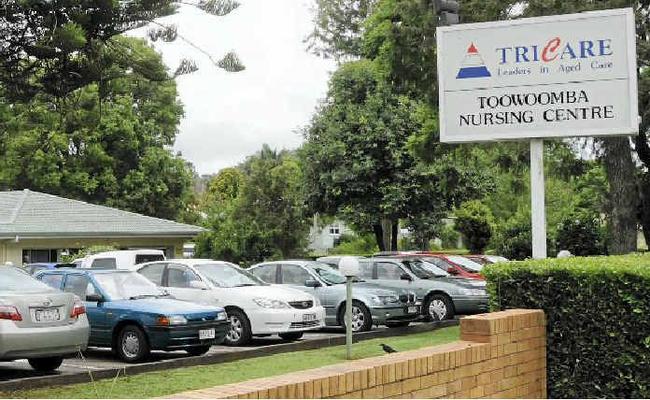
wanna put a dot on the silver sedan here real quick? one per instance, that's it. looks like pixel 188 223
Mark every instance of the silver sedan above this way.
pixel 39 323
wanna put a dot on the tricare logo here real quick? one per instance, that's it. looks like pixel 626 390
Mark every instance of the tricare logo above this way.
pixel 473 65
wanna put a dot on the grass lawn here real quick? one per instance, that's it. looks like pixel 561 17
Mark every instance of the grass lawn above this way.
pixel 178 380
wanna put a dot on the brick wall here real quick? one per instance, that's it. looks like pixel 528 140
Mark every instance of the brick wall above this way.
pixel 500 355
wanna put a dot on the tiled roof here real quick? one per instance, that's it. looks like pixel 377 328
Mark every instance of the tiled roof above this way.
pixel 33 214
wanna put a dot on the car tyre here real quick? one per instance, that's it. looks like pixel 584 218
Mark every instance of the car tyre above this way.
pixel 291 336
pixel 397 324
pixel 198 350
pixel 132 344
pixel 361 317
pixel 438 308
pixel 47 364
pixel 239 332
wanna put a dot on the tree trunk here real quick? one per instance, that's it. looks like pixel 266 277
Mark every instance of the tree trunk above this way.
pixel 644 206
pixel 623 197
pixel 379 236
pixel 386 227
pixel 395 232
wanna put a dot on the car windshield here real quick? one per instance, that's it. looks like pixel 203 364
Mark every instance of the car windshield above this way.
pixel 228 275
pixel 434 269
pixel 466 263
pixel 15 280
pixel 328 274
pixel 127 286
pixel 418 269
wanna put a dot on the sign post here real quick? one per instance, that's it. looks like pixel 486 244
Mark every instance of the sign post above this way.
pixel 538 78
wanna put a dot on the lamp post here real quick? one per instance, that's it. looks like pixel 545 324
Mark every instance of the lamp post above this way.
pixel 348 266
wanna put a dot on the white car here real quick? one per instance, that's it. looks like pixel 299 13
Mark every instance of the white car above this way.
pixel 120 259
pixel 254 308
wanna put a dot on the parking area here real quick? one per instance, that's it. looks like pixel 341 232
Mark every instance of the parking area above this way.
pixel 103 364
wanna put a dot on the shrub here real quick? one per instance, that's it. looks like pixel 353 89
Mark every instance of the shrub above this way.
pixel 474 222
pixel 359 245
pixel 514 240
pixel 581 235
pixel 598 312
pixel 449 237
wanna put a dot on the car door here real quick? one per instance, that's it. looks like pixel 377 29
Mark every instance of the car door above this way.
pixel 390 273
pixel 178 280
pixel 100 329
pixel 296 276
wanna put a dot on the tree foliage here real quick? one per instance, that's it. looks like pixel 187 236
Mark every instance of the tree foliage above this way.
pixel 255 211
pixel 474 221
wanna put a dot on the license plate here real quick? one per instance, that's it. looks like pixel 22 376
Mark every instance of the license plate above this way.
pixel 413 309
pixel 206 334
pixel 309 317
pixel 47 315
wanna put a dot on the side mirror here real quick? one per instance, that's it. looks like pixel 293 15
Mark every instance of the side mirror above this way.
pixel 198 285
pixel 313 283
pixel 95 298
pixel 452 271
pixel 405 277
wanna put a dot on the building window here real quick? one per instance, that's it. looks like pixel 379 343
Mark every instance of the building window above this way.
pixel 39 255
pixel 335 230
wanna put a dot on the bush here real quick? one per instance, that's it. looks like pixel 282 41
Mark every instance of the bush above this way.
pixel 474 221
pixel 581 235
pixel 449 237
pixel 598 312
pixel 359 245
pixel 514 240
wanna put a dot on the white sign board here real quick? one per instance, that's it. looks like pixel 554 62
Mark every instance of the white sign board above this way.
pixel 557 76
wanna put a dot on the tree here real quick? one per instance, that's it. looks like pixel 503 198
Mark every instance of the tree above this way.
pixel 474 221
pixel 359 161
pixel 55 48
pixel 105 144
pixel 255 211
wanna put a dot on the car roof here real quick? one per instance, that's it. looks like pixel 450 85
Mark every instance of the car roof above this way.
pixel 187 261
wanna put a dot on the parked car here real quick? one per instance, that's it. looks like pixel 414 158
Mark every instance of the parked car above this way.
pixel 441 296
pixel 133 316
pixel 39 323
pixel 455 265
pixel 121 259
pixel 372 305
pixel 254 307
pixel 33 268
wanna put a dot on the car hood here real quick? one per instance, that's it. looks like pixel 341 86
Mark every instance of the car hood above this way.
pixel 163 306
pixel 473 283
pixel 379 290
pixel 273 292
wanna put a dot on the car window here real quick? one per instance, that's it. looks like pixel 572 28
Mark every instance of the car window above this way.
pixel 466 263
pixel 365 270
pixel 15 280
pixel 265 273
pixel 77 284
pixel 144 258
pixel 390 271
pixel 294 275
pixel 180 276
pixel 153 272
pixel 327 273
pixel 123 285
pixel 52 280
pixel 228 275
pixel 104 263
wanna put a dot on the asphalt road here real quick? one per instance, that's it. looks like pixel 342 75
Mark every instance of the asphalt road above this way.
pixel 96 359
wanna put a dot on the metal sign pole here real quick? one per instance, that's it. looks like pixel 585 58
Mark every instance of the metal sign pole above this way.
pixel 348 318
pixel 537 193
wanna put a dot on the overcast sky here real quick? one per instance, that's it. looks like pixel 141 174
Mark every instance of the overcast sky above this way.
pixel 229 115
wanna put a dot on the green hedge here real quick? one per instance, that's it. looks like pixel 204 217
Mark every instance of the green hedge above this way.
pixel 598 313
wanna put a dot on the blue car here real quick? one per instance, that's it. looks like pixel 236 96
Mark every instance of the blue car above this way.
pixel 133 316
pixel 34 268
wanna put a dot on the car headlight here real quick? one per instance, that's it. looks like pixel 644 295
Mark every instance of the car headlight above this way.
pixel 383 300
pixel 172 320
pixel 473 292
pixel 221 316
pixel 270 303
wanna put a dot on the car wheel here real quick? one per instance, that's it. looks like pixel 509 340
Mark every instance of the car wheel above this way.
pixel 291 336
pixel 239 332
pixel 361 318
pixel 132 345
pixel 198 350
pixel 438 308
pixel 397 324
pixel 47 364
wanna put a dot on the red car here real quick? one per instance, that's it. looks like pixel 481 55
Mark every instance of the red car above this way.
pixel 455 265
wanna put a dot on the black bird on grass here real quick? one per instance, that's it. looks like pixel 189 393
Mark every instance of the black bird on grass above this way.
pixel 388 349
